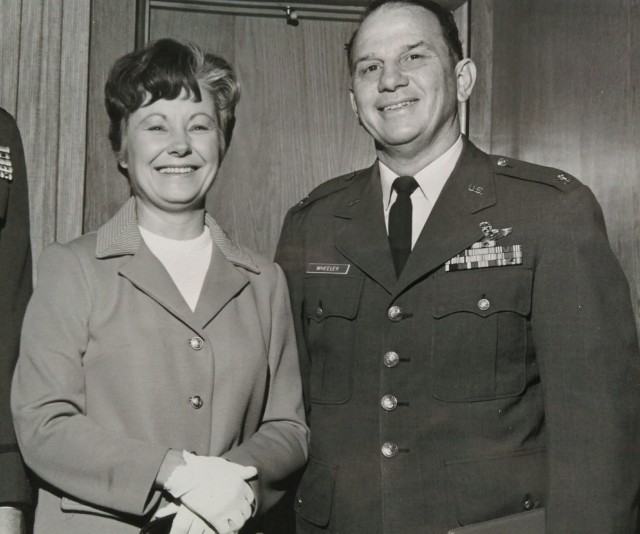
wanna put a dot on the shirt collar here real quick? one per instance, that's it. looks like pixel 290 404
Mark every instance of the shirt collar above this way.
pixel 121 236
pixel 431 179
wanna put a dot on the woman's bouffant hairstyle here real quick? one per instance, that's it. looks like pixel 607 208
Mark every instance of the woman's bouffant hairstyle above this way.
pixel 162 70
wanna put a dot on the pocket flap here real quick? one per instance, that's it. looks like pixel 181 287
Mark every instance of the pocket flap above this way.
pixel 314 498
pixel 332 296
pixel 483 291
pixel 488 488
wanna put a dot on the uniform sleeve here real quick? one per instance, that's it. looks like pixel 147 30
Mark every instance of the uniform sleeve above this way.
pixel 586 342
pixel 59 442
pixel 15 289
pixel 280 447
pixel 289 255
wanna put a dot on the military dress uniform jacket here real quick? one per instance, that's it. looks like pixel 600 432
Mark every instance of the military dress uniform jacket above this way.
pixel 15 288
pixel 115 369
pixel 450 397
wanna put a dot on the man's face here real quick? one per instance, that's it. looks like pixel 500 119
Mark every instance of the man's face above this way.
pixel 404 86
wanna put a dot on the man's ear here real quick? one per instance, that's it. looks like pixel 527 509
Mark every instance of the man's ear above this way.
pixel 354 106
pixel 465 78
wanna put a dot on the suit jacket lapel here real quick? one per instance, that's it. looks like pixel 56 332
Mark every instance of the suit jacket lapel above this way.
pixel 360 230
pixel 223 282
pixel 453 224
pixel 146 272
pixel 225 277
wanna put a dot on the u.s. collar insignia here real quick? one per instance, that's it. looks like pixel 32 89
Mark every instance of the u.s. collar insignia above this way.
pixel 6 167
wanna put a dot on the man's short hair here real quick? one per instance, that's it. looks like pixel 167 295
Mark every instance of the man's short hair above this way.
pixel 444 16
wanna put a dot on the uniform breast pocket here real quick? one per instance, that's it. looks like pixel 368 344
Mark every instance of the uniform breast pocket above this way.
pixel 480 333
pixel 330 307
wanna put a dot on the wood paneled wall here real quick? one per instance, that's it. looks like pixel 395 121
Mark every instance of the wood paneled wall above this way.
pixel 113 24
pixel 43 67
pixel 559 87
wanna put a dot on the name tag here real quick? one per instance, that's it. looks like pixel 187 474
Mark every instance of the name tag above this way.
pixel 328 268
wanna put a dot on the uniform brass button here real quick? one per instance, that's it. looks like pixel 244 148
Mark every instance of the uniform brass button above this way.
pixel 483 304
pixel 319 311
pixel 299 501
pixel 391 359
pixel 395 313
pixel 196 401
pixel 528 503
pixel 196 343
pixel 389 449
pixel 389 403
pixel 502 162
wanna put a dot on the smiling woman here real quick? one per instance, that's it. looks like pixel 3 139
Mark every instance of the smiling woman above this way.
pixel 158 334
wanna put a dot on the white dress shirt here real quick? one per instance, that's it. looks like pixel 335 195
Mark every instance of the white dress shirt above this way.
pixel 430 180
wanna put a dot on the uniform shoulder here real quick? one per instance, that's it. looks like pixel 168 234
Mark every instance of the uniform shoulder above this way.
pixel 328 188
pixel 532 172
pixel 5 115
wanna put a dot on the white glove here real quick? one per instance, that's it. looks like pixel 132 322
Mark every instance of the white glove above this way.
pixel 214 489
pixel 186 522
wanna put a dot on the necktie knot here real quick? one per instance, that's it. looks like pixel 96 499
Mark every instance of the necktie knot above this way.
pixel 405 185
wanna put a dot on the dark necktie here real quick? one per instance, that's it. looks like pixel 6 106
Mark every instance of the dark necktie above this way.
pixel 400 216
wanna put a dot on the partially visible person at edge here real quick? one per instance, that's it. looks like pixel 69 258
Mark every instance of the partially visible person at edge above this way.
pixel 158 360
pixel 15 289
pixel 494 373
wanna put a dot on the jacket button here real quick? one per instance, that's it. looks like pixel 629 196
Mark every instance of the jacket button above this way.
pixel 196 343
pixel 528 503
pixel 196 401
pixel 395 313
pixel 389 403
pixel 389 449
pixel 319 311
pixel 391 359
pixel 483 304
pixel 502 162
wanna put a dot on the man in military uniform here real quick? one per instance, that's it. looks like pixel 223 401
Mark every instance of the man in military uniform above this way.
pixel 15 288
pixel 473 354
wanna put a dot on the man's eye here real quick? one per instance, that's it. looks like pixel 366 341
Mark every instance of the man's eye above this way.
pixel 368 69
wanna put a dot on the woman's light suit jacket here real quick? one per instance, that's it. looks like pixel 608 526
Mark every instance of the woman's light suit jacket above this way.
pixel 115 369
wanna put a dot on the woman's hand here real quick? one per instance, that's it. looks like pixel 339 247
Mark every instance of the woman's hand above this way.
pixel 186 522
pixel 214 489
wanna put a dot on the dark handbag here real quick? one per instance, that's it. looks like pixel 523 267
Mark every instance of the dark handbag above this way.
pixel 160 525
